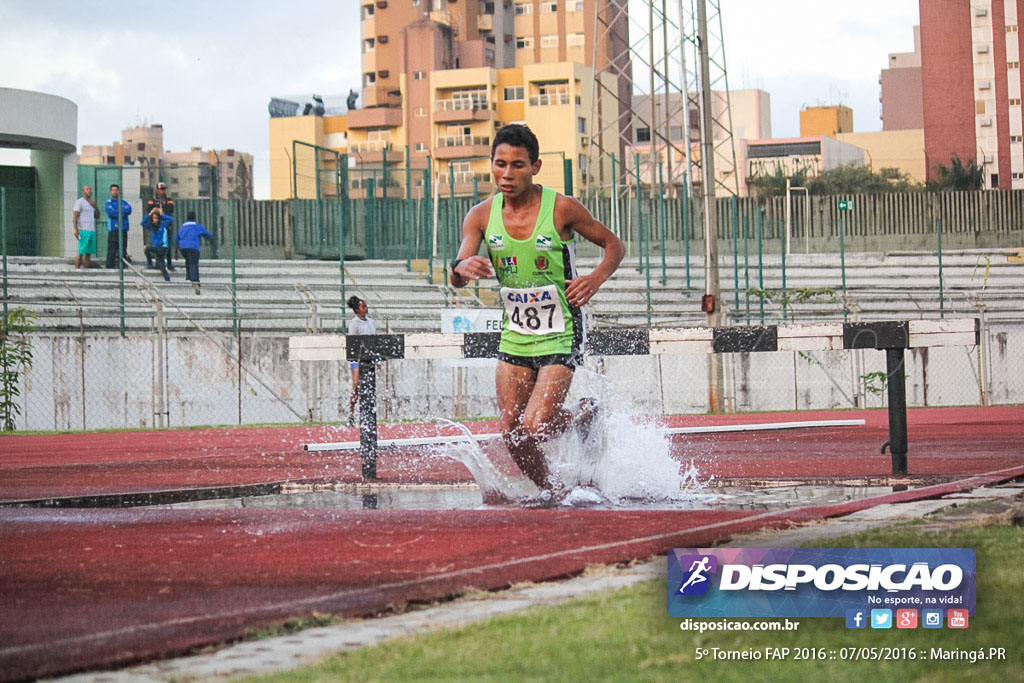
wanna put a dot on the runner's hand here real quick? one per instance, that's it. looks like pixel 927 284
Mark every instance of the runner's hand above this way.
pixel 582 289
pixel 474 268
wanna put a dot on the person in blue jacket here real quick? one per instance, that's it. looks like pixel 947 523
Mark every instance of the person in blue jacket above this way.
pixel 117 235
pixel 189 234
pixel 158 224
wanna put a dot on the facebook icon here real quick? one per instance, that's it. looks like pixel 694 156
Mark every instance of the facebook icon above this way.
pixel 856 618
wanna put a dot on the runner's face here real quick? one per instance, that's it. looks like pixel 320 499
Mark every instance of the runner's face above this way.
pixel 513 172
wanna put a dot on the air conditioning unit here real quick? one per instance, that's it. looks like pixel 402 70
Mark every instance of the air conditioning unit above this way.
pixel 981 11
pixel 383 73
pixel 382 39
pixel 382 4
pixel 982 50
pixel 986 122
pixel 984 85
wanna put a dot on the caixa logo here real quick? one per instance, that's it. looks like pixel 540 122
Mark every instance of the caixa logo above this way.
pixel 809 582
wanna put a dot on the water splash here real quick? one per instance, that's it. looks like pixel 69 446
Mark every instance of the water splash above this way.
pixel 623 461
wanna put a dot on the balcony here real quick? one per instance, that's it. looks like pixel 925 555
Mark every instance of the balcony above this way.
pixel 375 117
pixel 464 184
pixel 462 146
pixel 374 152
pixel 462 109
pixel 550 99
pixel 442 16
pixel 485 22
pixel 380 96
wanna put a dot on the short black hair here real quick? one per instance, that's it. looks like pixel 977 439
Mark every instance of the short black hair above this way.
pixel 517 135
pixel 353 303
pixel 113 185
pixel 191 216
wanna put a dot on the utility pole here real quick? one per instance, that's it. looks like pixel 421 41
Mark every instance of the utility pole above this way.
pixel 712 290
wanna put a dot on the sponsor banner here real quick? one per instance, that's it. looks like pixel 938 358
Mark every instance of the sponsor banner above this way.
pixel 463 320
pixel 817 582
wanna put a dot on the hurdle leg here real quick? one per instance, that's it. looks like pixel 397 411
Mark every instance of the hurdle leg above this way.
pixel 368 417
pixel 897 392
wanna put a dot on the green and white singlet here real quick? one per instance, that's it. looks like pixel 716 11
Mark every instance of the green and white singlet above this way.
pixel 538 319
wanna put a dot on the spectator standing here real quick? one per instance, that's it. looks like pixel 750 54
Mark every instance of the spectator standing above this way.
pixel 84 221
pixel 361 324
pixel 188 240
pixel 158 224
pixel 117 234
pixel 166 205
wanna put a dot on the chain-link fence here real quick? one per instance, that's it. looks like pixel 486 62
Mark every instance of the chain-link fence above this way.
pixel 119 347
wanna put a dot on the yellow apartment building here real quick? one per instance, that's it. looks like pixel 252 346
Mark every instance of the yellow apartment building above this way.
pixel 831 121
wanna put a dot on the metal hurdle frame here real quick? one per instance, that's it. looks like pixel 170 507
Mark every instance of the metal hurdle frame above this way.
pixel 893 337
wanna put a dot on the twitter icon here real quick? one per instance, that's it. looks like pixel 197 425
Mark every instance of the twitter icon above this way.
pixel 881 618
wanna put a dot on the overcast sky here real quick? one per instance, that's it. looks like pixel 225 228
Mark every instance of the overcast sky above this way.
pixel 206 70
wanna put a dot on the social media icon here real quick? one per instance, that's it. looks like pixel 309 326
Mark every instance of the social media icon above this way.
pixel 906 618
pixel 957 618
pixel 931 618
pixel 881 618
pixel 856 618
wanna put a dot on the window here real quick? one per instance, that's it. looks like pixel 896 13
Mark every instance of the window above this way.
pixel 489 54
pixel 1014 101
pixel 419 75
pixel 548 7
pixel 231 165
pixel 1016 138
pixel 575 39
pixel 368 45
pixel 419 112
pixel 550 40
pixel 676 132
pixel 581 124
pixel 524 42
pixel 524 8
pixel 1018 176
pixel 514 93
pixel 369 78
pixel 368 11
pixel 582 161
pixel 1011 28
pixel 574 6
pixel 486 8
pixel 420 147
pixel 1013 65
pixel 643 134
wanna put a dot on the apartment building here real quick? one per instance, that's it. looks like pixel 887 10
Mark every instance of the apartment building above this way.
pixel 901 89
pixel 972 85
pixel 751 119
pixel 187 174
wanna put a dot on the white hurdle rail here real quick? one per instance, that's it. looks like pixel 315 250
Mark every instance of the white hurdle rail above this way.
pixel 893 337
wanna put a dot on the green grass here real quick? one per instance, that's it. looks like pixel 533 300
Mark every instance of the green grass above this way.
pixel 627 635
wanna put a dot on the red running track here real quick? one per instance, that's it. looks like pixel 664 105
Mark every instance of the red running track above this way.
pixel 83 588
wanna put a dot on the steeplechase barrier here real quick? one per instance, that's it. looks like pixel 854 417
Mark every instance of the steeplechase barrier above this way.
pixel 892 337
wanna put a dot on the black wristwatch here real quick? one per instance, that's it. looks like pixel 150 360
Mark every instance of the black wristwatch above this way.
pixel 455 264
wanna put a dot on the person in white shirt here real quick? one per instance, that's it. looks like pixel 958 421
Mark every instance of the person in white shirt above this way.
pixel 84 221
pixel 361 324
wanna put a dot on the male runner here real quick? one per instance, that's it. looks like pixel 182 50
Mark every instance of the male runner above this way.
pixel 528 230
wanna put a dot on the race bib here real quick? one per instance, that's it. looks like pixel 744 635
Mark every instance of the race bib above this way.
pixel 534 310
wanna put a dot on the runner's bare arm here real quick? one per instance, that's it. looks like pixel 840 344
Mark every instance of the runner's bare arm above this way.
pixel 472 266
pixel 574 216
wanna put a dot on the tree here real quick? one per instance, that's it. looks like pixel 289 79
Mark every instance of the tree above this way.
pixel 840 180
pixel 15 356
pixel 958 177
pixel 242 189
